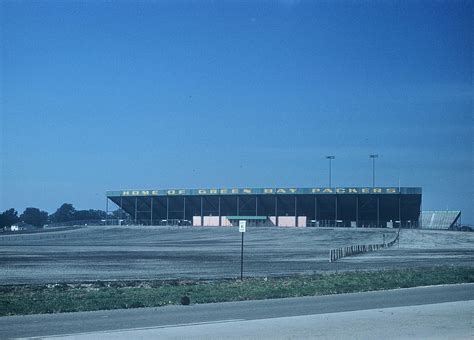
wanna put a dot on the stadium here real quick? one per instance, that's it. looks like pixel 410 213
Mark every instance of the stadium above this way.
pixel 375 207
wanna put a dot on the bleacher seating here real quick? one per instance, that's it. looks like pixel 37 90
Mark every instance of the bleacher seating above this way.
pixel 442 219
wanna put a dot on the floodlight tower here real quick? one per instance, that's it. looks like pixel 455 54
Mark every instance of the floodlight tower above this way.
pixel 373 168
pixel 330 159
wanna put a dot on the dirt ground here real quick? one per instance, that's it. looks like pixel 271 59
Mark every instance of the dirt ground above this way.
pixel 126 252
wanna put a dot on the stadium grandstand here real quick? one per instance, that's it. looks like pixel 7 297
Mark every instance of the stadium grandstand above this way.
pixel 291 207
pixel 440 219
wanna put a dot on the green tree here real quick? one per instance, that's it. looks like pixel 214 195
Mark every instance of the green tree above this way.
pixel 119 214
pixel 65 213
pixel 8 217
pixel 82 215
pixel 34 216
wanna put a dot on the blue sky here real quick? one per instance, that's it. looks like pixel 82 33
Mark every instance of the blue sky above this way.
pixel 98 96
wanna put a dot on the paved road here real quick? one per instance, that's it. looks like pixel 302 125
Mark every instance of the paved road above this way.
pixel 73 323
pixel 434 321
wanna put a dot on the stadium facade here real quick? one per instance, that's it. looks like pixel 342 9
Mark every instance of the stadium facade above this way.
pixel 296 207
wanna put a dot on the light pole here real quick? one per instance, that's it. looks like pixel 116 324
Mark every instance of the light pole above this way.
pixel 330 159
pixel 373 168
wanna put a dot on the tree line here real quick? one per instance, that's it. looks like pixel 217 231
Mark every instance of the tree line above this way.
pixel 65 213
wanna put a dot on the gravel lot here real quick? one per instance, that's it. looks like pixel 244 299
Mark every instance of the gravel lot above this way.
pixel 112 253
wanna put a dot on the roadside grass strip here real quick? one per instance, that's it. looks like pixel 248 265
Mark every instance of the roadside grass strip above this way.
pixel 102 295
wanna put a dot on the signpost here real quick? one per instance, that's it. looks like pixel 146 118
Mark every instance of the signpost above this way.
pixel 242 226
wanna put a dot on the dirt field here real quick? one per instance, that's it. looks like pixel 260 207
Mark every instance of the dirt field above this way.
pixel 109 253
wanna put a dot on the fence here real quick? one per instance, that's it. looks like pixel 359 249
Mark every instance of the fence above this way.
pixel 109 221
pixel 339 253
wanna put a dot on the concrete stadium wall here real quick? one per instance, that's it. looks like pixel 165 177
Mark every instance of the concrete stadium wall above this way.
pixel 283 221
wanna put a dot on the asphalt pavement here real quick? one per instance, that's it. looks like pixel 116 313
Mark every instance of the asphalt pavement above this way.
pixel 434 321
pixel 183 316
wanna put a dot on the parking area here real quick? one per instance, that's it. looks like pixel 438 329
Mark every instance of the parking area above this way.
pixel 146 252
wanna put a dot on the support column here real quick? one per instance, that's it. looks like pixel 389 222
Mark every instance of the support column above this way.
pixel 220 217
pixel 419 223
pixel 276 210
pixel 256 205
pixel 335 221
pixel 121 209
pixel 106 210
pixel 315 211
pixel 378 212
pixel 202 211
pixel 136 207
pixel 296 211
pixel 357 211
pixel 400 210
pixel 167 210
pixel 151 211
pixel 184 207
pixel 238 208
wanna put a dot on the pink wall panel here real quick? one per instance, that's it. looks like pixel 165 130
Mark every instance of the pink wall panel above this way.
pixel 283 221
pixel 301 221
pixel 211 221
pixel 286 221
pixel 197 221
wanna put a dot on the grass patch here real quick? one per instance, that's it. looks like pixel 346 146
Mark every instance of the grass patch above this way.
pixel 58 298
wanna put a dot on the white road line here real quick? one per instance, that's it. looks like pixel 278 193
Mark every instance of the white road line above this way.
pixel 135 329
